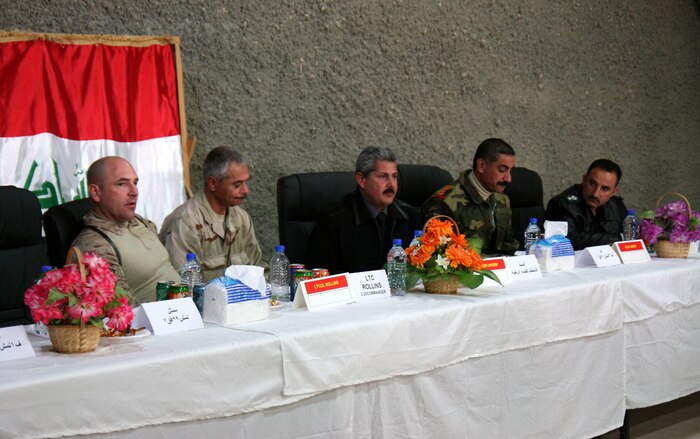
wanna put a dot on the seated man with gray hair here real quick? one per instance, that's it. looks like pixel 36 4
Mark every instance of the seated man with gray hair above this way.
pixel 356 234
pixel 212 224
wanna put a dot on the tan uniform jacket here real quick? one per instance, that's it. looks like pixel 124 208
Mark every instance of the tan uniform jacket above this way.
pixel 141 261
pixel 219 241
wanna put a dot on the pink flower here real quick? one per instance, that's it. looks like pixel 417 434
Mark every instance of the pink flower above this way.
pixel 120 317
pixel 62 296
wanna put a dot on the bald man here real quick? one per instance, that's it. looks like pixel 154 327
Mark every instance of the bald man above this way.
pixel 114 231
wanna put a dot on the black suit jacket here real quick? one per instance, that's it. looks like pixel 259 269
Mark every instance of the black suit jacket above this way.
pixel 346 237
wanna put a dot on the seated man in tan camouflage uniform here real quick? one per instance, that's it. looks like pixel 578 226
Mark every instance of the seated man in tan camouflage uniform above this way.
pixel 114 231
pixel 212 224
pixel 476 200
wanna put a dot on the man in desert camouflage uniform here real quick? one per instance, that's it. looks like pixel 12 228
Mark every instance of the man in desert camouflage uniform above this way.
pixel 114 231
pixel 476 200
pixel 212 224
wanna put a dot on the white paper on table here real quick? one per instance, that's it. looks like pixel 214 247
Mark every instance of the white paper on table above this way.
pixel 523 267
pixel 170 316
pixel 598 255
pixel 369 285
pixel 14 343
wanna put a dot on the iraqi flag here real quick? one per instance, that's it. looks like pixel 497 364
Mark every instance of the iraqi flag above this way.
pixel 62 106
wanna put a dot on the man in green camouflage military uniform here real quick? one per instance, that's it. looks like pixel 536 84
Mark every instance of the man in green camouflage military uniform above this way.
pixel 476 200
pixel 113 230
pixel 212 224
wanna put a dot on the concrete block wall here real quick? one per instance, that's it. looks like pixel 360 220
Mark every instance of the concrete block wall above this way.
pixel 300 86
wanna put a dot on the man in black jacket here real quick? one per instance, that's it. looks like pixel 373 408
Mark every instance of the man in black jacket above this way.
pixel 356 234
pixel 593 209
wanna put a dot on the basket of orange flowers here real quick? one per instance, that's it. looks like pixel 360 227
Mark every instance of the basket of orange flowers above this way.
pixel 445 259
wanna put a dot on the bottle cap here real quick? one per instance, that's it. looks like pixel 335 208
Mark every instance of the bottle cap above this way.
pixel 45 268
pixel 279 248
pixel 630 211
pixel 533 220
pixel 397 241
pixel 418 233
pixel 191 257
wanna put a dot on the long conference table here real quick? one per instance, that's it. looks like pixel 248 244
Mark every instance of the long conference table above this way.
pixel 561 356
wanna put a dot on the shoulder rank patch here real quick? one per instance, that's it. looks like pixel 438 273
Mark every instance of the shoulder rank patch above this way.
pixel 572 198
pixel 442 193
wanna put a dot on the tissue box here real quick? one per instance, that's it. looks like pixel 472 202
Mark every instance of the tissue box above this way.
pixel 555 253
pixel 229 301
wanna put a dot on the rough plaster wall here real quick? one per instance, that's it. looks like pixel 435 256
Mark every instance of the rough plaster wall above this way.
pixel 303 86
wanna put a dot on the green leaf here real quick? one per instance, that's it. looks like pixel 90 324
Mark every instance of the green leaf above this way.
pixel 54 296
pixel 647 214
pixel 469 279
pixel 412 278
pixel 476 243
pixel 491 275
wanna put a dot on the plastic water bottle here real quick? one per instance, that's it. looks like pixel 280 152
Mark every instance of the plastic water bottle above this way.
pixel 396 269
pixel 279 275
pixel 630 226
pixel 414 242
pixel 531 235
pixel 191 272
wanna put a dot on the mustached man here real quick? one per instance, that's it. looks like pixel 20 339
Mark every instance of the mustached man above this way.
pixel 356 234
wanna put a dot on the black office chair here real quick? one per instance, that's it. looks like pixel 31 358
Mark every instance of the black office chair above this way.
pixel 526 200
pixel 302 198
pixel 62 224
pixel 22 252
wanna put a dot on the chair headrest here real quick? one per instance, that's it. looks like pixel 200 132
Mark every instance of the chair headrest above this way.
pixel 525 188
pixel 20 218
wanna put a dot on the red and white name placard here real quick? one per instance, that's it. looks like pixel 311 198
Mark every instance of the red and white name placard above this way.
pixel 323 292
pixel 499 268
pixel 632 252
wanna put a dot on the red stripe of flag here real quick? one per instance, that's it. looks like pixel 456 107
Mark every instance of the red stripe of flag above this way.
pixel 87 92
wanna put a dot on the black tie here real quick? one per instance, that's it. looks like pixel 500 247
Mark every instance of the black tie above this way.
pixel 381 225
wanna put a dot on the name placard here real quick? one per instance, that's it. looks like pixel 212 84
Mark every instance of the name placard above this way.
pixel 597 255
pixel 499 268
pixel 369 285
pixel 169 316
pixel 323 292
pixel 632 252
pixel 523 267
pixel 14 344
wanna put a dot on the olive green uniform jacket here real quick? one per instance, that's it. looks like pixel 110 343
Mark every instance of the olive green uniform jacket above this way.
pixel 489 220
pixel 194 227
pixel 135 255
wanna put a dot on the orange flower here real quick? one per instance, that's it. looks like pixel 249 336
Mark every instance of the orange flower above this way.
pixel 430 239
pixel 458 255
pixel 421 256
pixel 441 228
pixel 460 240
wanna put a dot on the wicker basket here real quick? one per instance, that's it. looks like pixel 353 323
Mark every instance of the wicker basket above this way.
pixel 667 249
pixel 71 339
pixel 443 285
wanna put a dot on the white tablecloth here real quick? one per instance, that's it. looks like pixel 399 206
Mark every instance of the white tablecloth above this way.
pixel 542 358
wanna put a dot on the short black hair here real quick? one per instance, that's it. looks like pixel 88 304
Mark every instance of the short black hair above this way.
pixel 490 149
pixel 606 165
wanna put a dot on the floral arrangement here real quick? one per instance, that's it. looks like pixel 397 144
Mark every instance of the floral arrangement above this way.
pixel 442 252
pixel 62 297
pixel 672 222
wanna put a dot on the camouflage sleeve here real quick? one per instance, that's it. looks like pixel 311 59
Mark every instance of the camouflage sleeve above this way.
pixel 90 241
pixel 180 237
pixel 432 207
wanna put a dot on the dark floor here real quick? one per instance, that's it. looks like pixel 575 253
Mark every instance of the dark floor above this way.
pixel 679 419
